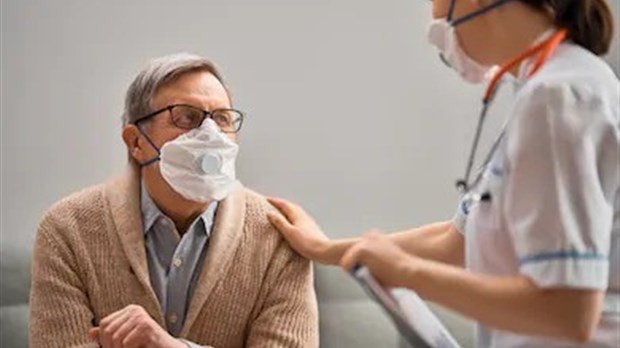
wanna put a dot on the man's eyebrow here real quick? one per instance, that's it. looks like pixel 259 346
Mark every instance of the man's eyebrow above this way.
pixel 197 102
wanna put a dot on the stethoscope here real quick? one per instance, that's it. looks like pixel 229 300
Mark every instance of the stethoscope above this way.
pixel 543 51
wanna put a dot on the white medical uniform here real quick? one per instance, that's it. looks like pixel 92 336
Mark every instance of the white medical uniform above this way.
pixel 554 181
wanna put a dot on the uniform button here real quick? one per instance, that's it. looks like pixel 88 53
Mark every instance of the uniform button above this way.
pixel 177 262
pixel 172 318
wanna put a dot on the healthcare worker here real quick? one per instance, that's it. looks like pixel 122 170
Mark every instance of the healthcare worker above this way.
pixel 532 254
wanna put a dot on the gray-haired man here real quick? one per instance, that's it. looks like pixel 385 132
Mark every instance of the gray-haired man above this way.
pixel 175 252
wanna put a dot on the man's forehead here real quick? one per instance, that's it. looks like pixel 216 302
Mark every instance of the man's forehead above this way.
pixel 196 88
pixel 196 81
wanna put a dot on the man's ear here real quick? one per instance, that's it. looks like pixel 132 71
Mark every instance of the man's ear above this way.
pixel 131 137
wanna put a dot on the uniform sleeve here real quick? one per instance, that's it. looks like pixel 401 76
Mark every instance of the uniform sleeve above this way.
pixel 460 217
pixel 562 154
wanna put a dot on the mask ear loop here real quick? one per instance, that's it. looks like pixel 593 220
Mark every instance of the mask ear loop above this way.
pixel 475 13
pixel 449 20
pixel 154 159
pixel 451 11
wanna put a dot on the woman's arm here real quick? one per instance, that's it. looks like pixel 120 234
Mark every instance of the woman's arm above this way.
pixel 513 304
pixel 440 241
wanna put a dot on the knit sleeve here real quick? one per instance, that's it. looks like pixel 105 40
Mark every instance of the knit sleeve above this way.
pixel 289 316
pixel 59 307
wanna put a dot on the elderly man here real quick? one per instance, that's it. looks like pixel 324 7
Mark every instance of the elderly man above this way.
pixel 173 253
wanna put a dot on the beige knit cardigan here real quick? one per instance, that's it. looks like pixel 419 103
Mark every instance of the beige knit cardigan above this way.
pixel 90 261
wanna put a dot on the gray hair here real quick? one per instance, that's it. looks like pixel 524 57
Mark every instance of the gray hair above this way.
pixel 157 73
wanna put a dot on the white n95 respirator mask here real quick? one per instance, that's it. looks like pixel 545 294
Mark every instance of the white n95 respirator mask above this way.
pixel 442 35
pixel 200 164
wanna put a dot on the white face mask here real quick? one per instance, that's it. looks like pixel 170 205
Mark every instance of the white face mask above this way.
pixel 442 35
pixel 200 164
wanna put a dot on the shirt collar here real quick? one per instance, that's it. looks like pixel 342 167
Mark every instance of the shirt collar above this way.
pixel 151 213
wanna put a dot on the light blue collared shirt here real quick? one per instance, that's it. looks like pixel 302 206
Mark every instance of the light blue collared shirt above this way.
pixel 174 262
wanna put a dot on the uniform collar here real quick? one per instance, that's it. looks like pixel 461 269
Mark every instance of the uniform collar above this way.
pixel 524 69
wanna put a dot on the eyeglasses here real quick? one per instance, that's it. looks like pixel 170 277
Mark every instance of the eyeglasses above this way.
pixel 190 117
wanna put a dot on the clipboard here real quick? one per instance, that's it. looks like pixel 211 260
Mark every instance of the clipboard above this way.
pixel 414 320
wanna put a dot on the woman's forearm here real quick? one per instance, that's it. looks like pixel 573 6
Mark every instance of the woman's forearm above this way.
pixel 333 250
pixel 512 303
pixel 439 242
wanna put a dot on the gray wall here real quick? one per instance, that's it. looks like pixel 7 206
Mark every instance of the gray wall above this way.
pixel 350 112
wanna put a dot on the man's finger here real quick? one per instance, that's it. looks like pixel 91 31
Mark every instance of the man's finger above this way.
pixel 134 338
pixel 113 327
pixel 93 333
pixel 119 335
pixel 118 321
pixel 110 318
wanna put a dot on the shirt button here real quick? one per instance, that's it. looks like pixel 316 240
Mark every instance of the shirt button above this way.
pixel 177 262
pixel 172 318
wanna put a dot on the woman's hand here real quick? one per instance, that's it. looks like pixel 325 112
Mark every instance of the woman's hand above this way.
pixel 387 262
pixel 300 230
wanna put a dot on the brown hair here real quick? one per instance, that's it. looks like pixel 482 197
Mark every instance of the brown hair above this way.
pixel 590 23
